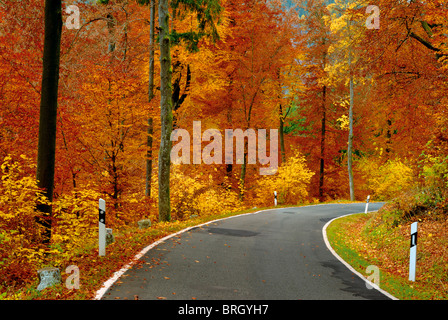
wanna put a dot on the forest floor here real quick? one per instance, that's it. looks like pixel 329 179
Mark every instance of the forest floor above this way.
pixel 371 239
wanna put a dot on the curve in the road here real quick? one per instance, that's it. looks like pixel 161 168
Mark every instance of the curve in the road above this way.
pixel 369 283
pixel 275 254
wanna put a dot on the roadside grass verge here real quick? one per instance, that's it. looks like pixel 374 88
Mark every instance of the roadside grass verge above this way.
pixel 376 239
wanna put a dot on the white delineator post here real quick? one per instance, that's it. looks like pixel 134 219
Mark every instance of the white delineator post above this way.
pixel 275 198
pixel 367 203
pixel 413 252
pixel 102 228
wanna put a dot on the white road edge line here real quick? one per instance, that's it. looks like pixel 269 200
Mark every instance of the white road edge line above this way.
pixel 324 233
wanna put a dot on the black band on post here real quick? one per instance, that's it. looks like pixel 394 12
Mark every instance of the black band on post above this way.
pixel 102 216
pixel 414 239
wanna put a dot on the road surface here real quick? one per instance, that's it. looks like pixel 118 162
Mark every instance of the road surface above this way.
pixel 277 254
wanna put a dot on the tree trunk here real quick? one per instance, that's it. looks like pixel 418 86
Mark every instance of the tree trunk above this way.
pixel 323 130
pixel 166 113
pixel 350 144
pixel 322 144
pixel 48 110
pixel 243 171
pixel 177 98
pixel 282 136
pixel 113 166
pixel 281 118
pixel 350 135
pixel 388 137
pixel 150 131
pixel 111 30
pixel 149 144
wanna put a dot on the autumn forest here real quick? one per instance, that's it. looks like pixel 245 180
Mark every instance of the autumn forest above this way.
pixel 352 92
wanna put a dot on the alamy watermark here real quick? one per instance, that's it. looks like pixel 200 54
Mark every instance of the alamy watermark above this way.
pixel 373 21
pixel 72 281
pixel 73 20
pixel 212 153
pixel 373 276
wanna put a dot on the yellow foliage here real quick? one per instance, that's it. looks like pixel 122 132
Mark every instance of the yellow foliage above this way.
pixel 386 180
pixel 435 171
pixel 19 231
pixel 291 183
pixel 18 196
pixel 190 196
pixel 344 122
pixel 218 201
pixel 76 217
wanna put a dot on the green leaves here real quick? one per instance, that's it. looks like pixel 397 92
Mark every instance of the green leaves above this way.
pixel 191 39
pixel 207 14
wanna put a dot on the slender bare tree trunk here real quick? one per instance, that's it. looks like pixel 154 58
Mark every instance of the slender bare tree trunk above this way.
pixel 350 144
pixel 281 118
pixel 322 144
pixel 281 128
pixel 350 135
pixel 150 131
pixel 166 113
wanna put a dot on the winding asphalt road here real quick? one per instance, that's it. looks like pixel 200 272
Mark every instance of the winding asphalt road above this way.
pixel 277 254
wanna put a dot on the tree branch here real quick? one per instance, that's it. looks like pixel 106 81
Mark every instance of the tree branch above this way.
pixel 427 44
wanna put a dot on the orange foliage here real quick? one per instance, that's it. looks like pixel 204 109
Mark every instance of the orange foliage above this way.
pixel 275 65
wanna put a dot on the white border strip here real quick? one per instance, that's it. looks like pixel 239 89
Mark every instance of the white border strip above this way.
pixel 324 233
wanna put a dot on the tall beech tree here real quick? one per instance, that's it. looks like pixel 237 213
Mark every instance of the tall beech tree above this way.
pixel 48 110
pixel 207 13
pixel 166 111
pixel 151 95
